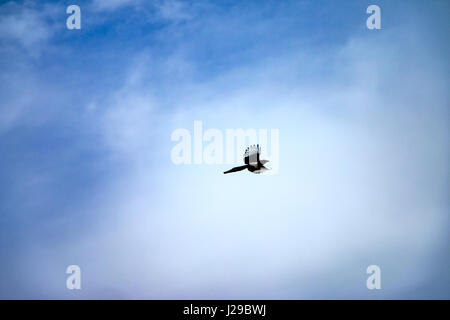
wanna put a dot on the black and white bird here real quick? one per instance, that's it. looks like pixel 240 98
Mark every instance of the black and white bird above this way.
pixel 252 161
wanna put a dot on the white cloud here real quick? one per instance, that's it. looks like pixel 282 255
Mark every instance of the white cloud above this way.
pixel 113 4
pixel 158 10
pixel 363 177
pixel 27 25
pixel 360 182
pixel 172 10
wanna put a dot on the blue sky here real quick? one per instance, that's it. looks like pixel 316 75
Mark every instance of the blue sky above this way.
pixel 87 177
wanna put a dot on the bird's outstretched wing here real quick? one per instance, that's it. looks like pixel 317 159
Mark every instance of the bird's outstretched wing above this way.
pixel 236 169
pixel 251 155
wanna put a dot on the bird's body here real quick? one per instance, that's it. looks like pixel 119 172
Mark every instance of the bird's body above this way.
pixel 252 161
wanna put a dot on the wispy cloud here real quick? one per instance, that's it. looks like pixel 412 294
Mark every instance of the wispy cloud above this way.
pixel 156 11
pixel 27 25
pixel 109 5
pixel 363 165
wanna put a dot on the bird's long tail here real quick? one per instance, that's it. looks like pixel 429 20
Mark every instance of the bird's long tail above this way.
pixel 236 169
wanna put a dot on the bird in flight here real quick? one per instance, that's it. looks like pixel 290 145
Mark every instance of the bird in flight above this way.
pixel 252 161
